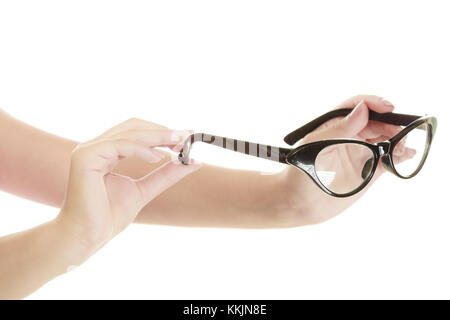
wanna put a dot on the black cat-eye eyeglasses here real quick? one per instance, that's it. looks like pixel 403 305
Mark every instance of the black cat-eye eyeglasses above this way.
pixel 341 167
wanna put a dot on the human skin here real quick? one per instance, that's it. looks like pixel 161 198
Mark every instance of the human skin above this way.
pixel 107 183
pixel 98 205
pixel 213 196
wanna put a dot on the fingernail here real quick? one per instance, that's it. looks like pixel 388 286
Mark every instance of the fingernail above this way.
pixel 180 135
pixel 356 109
pixel 387 103
pixel 179 146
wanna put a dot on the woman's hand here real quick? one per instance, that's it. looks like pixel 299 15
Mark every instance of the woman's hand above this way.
pixel 100 204
pixel 309 203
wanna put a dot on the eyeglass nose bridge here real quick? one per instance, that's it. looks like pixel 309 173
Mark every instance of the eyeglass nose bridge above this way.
pixel 384 148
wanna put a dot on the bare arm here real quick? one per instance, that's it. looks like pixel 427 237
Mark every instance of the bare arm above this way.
pixel 31 258
pixel 98 205
pixel 35 165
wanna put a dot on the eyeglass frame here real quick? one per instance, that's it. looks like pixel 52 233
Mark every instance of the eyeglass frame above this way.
pixel 304 156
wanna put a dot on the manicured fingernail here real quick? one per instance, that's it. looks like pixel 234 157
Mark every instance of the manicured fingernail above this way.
pixel 356 109
pixel 180 135
pixel 387 103
pixel 179 146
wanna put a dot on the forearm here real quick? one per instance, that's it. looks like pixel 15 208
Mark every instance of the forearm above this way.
pixel 36 166
pixel 220 197
pixel 31 258
pixel 33 164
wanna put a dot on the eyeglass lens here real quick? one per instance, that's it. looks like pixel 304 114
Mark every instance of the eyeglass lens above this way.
pixel 409 152
pixel 342 168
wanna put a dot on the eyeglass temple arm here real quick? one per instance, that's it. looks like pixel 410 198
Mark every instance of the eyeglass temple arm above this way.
pixel 390 118
pixel 254 149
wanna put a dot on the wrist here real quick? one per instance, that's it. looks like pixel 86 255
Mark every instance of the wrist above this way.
pixel 294 199
pixel 77 249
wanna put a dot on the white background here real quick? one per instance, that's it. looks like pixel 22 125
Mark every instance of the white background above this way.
pixel 252 70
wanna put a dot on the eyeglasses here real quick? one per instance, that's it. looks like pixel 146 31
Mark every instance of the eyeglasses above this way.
pixel 341 167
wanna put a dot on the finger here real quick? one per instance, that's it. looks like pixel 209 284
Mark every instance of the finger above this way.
pixel 103 156
pixel 375 103
pixel 354 123
pixel 164 177
pixel 406 154
pixel 131 124
pixel 375 129
pixel 180 145
pixel 347 127
pixel 377 139
pixel 153 137
pixel 400 146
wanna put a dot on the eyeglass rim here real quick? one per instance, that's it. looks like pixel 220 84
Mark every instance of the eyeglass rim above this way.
pixel 431 130
pixel 307 162
pixel 309 153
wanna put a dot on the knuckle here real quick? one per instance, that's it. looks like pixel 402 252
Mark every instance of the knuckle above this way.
pixel 134 121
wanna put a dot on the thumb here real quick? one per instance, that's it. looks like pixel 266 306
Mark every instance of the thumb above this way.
pixel 164 177
pixel 346 127
pixel 353 123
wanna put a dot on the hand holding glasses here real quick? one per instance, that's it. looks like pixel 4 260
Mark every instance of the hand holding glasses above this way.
pixel 342 167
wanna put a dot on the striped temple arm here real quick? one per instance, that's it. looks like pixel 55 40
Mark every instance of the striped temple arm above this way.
pixel 250 148
pixel 390 118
